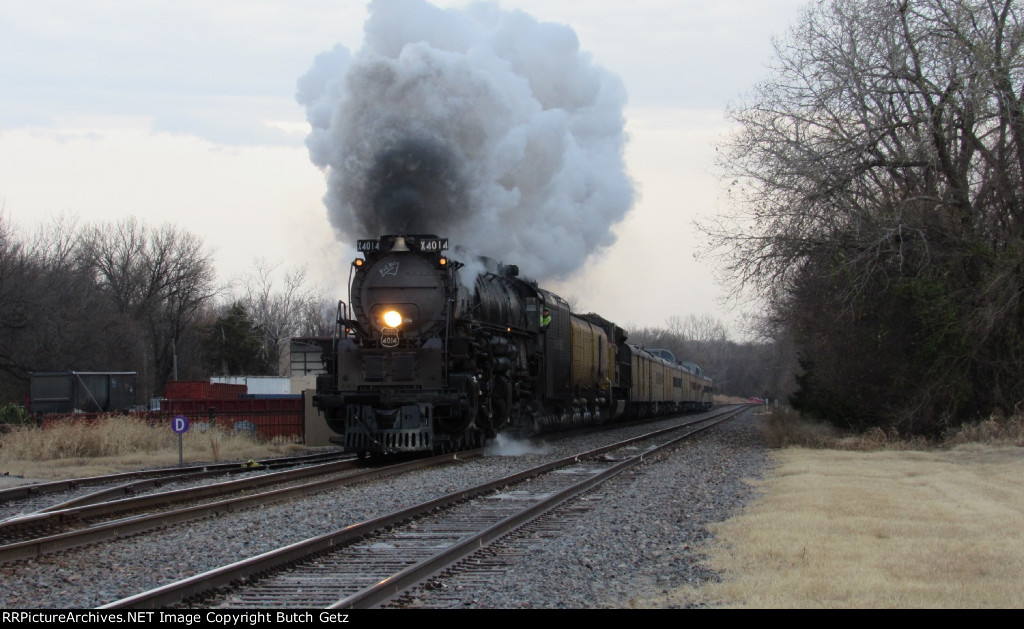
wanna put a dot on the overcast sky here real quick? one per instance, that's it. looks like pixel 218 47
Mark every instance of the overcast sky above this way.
pixel 184 111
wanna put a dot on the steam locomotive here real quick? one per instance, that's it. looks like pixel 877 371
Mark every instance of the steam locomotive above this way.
pixel 433 355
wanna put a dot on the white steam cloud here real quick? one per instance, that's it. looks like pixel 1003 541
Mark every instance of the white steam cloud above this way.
pixel 482 125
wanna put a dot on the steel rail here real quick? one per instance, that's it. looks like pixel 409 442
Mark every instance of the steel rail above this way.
pixel 130 526
pixel 20 492
pixel 394 585
pixel 129 489
pixel 62 513
pixel 254 567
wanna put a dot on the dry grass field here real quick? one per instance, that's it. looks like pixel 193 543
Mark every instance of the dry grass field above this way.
pixel 875 522
pixel 118 444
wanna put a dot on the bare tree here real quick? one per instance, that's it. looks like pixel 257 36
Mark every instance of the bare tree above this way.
pixel 51 318
pixel 319 317
pixel 285 309
pixel 159 277
pixel 877 178
pixel 16 278
pixel 699 328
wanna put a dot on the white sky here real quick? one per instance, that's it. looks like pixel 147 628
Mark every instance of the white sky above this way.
pixel 184 111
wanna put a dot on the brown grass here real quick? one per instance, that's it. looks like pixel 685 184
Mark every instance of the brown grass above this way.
pixel 999 431
pixel 874 521
pixel 78 448
pixel 784 428
pixel 884 529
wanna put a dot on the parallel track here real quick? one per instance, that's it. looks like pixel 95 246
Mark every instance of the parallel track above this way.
pixel 366 564
pixel 128 483
pixel 58 530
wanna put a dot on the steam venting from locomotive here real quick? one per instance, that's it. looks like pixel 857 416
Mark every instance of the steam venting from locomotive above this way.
pixel 482 124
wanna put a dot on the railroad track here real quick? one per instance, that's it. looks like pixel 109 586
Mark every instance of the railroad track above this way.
pixel 367 564
pixel 38 496
pixel 59 529
pixel 445 589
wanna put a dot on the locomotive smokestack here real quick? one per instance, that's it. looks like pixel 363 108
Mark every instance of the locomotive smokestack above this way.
pixel 482 124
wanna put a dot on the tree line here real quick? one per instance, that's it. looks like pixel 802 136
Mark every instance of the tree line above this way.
pixel 745 369
pixel 876 181
pixel 125 296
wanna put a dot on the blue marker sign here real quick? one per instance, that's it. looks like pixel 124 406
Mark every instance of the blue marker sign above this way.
pixel 179 424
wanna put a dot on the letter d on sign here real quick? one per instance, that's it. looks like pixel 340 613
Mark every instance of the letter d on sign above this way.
pixel 179 425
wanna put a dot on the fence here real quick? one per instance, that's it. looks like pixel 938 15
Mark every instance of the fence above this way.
pixel 272 425
pixel 276 418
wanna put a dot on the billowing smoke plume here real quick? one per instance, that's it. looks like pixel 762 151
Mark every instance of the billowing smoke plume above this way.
pixel 482 125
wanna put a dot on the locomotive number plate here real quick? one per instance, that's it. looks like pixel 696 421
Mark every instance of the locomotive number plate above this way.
pixel 434 244
pixel 389 337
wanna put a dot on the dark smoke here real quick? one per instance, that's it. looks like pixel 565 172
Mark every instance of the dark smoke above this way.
pixel 414 188
pixel 481 125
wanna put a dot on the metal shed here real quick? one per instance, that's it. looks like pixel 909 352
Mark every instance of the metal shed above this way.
pixel 82 391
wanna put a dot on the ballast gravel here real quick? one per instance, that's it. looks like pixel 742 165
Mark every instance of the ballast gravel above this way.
pixel 643 535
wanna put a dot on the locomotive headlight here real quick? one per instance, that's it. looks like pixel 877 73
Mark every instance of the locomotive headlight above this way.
pixel 392 318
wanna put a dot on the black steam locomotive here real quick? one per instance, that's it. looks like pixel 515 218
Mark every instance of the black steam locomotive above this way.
pixel 429 359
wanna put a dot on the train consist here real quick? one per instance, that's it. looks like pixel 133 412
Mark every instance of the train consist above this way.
pixel 429 359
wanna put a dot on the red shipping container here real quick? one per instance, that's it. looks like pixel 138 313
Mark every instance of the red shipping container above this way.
pixel 233 406
pixel 224 391
pixel 188 390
